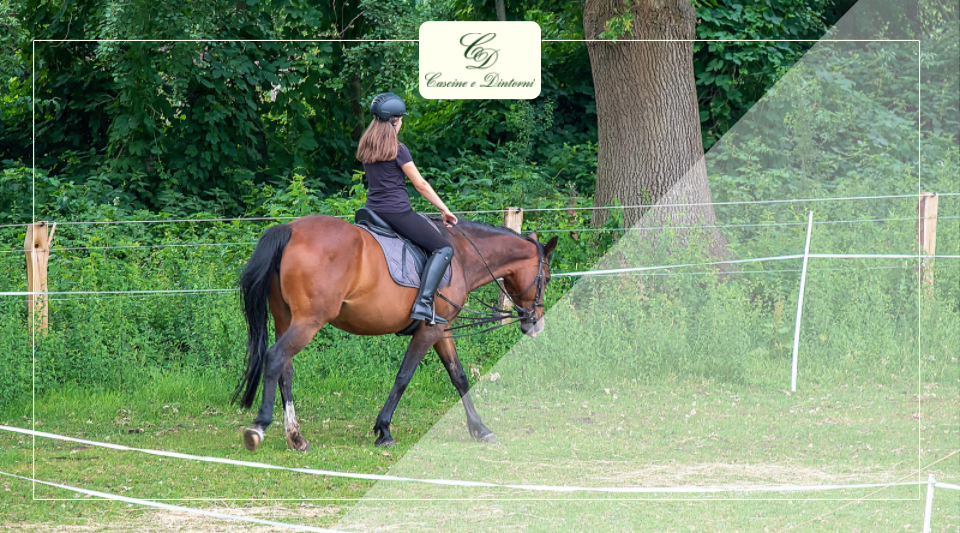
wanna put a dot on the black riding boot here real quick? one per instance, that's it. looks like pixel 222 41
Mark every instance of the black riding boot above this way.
pixel 437 264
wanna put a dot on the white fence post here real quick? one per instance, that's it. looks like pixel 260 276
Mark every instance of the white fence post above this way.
pixel 803 281
pixel 929 509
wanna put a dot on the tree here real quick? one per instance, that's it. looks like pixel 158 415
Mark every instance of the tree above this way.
pixel 650 147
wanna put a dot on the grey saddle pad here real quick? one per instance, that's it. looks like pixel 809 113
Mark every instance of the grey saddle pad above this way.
pixel 405 260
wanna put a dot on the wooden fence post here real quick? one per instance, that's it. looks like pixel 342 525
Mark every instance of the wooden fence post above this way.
pixel 928 232
pixel 37 247
pixel 513 219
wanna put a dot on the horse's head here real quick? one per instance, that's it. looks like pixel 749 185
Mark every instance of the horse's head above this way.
pixel 527 284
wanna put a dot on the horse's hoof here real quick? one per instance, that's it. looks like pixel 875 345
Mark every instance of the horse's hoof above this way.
pixel 252 437
pixel 385 442
pixel 298 443
pixel 489 437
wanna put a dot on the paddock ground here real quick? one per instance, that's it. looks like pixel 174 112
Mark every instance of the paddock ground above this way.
pixel 680 433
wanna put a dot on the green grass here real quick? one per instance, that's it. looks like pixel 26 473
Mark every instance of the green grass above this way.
pixel 646 435
pixel 191 415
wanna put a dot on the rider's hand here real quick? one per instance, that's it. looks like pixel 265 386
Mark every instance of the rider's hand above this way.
pixel 449 218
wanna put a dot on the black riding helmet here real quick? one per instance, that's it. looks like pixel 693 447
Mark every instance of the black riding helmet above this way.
pixel 387 105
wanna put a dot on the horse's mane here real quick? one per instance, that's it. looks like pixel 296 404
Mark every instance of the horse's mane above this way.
pixel 484 228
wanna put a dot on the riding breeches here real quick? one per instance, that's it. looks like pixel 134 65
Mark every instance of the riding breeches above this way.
pixel 416 228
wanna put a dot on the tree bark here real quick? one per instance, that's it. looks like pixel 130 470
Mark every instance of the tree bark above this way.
pixel 501 12
pixel 650 148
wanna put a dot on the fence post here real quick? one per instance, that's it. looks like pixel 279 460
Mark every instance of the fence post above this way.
pixel 37 247
pixel 803 282
pixel 513 219
pixel 928 232
pixel 928 511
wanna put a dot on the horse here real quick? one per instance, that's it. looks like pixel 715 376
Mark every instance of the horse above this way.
pixel 320 269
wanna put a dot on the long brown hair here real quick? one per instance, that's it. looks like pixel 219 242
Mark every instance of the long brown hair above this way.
pixel 378 143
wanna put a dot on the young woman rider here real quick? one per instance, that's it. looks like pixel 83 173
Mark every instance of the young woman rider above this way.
pixel 386 162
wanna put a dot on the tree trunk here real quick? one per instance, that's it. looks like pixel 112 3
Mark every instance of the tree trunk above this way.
pixel 501 12
pixel 650 148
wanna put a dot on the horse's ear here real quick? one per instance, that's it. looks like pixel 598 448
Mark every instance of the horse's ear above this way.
pixel 550 246
pixel 533 235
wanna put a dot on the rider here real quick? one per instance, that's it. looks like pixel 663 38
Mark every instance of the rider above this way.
pixel 386 161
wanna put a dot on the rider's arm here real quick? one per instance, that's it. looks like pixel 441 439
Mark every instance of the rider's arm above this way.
pixel 422 186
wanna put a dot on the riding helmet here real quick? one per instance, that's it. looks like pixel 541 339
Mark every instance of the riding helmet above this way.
pixel 386 105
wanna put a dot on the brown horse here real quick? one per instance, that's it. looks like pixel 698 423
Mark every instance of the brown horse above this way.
pixel 320 270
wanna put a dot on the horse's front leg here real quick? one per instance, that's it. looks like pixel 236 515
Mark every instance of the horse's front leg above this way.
pixel 415 351
pixel 448 355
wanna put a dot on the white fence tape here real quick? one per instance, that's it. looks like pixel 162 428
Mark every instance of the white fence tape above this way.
pixel 558 274
pixel 460 483
pixel 758 259
pixel 177 508
pixel 946 486
pixel 168 291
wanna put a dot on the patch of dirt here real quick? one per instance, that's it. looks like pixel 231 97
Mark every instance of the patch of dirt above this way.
pixel 147 520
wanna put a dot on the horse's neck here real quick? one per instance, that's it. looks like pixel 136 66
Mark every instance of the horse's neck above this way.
pixel 501 256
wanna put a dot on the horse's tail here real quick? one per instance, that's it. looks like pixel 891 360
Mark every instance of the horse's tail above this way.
pixel 255 286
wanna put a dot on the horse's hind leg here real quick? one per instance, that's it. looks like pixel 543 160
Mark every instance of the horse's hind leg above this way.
pixel 290 426
pixel 448 355
pixel 281 322
pixel 278 357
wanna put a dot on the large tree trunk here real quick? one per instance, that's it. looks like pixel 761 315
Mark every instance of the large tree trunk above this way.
pixel 650 149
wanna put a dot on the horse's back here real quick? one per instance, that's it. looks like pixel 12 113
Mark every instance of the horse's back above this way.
pixel 327 233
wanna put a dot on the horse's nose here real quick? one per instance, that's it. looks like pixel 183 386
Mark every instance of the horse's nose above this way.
pixel 536 328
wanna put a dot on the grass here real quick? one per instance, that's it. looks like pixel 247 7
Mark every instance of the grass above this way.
pixel 635 434
pixel 191 415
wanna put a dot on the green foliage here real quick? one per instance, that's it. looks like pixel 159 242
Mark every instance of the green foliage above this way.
pixel 527 123
pixel 732 76
pixel 186 127
pixel 174 123
pixel 619 25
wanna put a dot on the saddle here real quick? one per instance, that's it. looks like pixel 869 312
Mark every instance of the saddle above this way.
pixel 405 259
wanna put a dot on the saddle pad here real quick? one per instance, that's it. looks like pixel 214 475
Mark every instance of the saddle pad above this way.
pixel 404 267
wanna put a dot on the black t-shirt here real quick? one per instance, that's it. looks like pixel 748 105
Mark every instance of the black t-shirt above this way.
pixel 387 190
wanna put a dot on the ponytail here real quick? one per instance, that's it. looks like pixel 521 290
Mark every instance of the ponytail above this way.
pixel 378 143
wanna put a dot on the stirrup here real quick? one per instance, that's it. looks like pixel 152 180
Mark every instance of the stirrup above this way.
pixel 432 318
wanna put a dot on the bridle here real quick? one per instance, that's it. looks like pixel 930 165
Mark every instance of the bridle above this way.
pixel 523 313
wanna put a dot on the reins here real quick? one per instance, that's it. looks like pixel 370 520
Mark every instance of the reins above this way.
pixel 498 314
